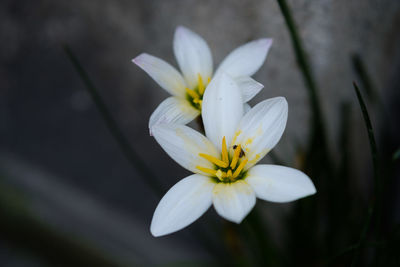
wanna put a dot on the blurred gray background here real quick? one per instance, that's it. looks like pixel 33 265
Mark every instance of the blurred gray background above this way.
pixel 56 149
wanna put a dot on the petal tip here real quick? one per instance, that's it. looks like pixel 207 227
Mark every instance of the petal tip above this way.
pixel 235 219
pixel 260 85
pixel 181 30
pixel 281 100
pixel 138 59
pixel 313 190
pixel 265 42
pixel 309 191
pixel 155 231
pixel 153 130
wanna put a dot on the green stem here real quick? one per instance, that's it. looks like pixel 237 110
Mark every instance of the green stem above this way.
pixel 371 138
pixel 374 152
pixel 362 73
pixel 304 67
pixel 138 164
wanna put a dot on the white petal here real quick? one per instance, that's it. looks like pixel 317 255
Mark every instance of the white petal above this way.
pixel 184 203
pixel 193 56
pixel 173 110
pixel 233 201
pixel 183 144
pixel 246 108
pixel 278 183
pixel 246 59
pixel 163 73
pixel 249 87
pixel 261 128
pixel 222 109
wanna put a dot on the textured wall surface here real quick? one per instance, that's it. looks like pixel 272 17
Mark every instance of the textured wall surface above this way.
pixel 49 121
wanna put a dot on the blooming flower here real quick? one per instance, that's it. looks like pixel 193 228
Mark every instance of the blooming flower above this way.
pixel 223 163
pixel 195 61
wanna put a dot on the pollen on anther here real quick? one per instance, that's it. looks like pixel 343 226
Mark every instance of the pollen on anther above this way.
pixel 200 84
pixel 239 168
pixel 224 151
pixel 236 155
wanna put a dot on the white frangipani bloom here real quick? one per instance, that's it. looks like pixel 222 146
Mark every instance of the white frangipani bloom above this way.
pixel 223 163
pixel 195 62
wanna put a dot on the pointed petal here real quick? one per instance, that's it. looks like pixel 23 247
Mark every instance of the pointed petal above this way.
pixel 162 72
pixel 249 87
pixel 278 183
pixel 222 109
pixel 193 56
pixel 184 203
pixel 233 201
pixel 173 110
pixel 261 128
pixel 246 59
pixel 183 144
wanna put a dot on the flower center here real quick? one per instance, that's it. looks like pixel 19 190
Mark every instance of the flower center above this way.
pixel 195 96
pixel 227 169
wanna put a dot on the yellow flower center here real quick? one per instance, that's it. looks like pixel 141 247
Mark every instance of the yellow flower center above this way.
pixel 227 169
pixel 195 96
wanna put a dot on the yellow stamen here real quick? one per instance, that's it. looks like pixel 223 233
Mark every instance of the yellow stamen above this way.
pixel 224 151
pixel 192 93
pixel 229 173
pixel 220 174
pixel 208 80
pixel 235 156
pixel 207 170
pixel 200 84
pixel 214 160
pixel 239 168
pixel 198 101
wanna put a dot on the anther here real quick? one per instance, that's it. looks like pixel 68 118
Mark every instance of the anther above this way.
pixel 224 151
pixel 192 93
pixel 206 170
pixel 200 84
pixel 239 168
pixel 236 156
pixel 214 160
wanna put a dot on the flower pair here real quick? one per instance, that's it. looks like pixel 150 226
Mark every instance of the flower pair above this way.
pixel 195 61
pixel 223 161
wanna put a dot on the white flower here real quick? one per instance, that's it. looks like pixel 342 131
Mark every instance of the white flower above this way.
pixel 223 162
pixel 195 61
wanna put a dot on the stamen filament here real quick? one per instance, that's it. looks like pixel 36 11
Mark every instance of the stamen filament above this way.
pixel 224 151
pixel 229 173
pixel 192 93
pixel 200 84
pixel 239 168
pixel 207 170
pixel 214 160
pixel 236 156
